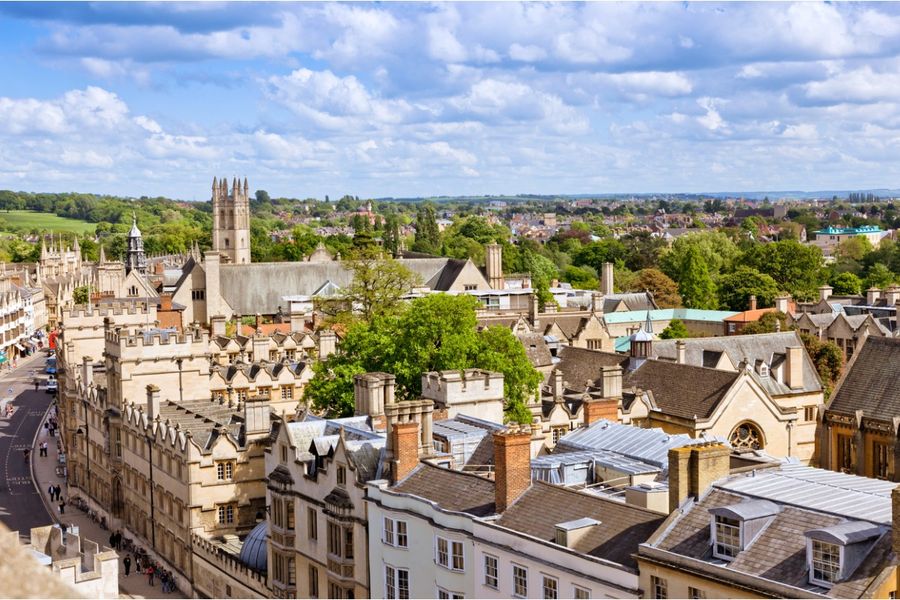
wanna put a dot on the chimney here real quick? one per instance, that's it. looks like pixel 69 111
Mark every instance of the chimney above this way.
pixel 597 303
pixel 218 325
pixel 512 466
pixel 533 313
pixel 327 343
pixel 753 302
pixel 298 321
pixel 558 385
pixel 165 302
pixel 891 295
pixel 159 268
pixel 87 371
pixel 606 279
pixel 211 263
pixel 681 352
pixel 793 367
pixel 873 295
pixel 256 416
pixel 597 409
pixel 611 381
pixel 782 303
pixel 258 322
pixel 405 447
pixel 152 402
pixel 494 266
pixel 693 469
pixel 825 292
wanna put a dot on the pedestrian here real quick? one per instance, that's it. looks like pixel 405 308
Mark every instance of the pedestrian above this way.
pixel 127 562
pixel 118 540
pixel 62 506
pixel 112 540
pixel 58 491
pixel 150 575
pixel 137 564
pixel 50 491
pixel 36 384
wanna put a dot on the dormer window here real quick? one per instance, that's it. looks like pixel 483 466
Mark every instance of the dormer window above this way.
pixel 733 528
pixel 825 563
pixel 834 552
pixel 342 475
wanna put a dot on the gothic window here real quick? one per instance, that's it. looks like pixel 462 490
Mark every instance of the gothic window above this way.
pixel 746 436
pixel 227 242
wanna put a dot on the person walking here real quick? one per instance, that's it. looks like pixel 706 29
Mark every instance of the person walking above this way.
pixel 127 562
pixel 62 506
pixel 150 575
pixel 50 492
pixel 58 491
pixel 112 540
pixel 137 564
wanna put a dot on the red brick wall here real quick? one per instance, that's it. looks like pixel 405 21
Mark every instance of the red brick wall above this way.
pixel 605 408
pixel 405 444
pixel 512 466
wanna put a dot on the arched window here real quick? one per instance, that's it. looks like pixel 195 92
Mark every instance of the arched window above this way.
pixel 747 436
pixel 227 242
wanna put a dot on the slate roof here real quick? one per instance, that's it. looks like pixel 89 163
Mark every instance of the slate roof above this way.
pixel 536 349
pixel 622 526
pixel 579 365
pixel 872 381
pixel 451 490
pixel 778 553
pixel 768 347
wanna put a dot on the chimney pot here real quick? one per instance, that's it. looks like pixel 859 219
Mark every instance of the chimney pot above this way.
pixel 512 466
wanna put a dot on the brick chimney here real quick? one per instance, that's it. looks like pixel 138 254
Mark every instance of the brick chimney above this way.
pixel 873 295
pixel 606 279
pixel 596 409
pixel 793 367
pixel 559 387
pixel 165 302
pixel 298 320
pixel 152 402
pixel 405 445
pixel 782 303
pixel 512 466
pixel 825 292
pixel 753 302
pixel 693 469
pixel 611 381
pixel 533 313
pixel 494 266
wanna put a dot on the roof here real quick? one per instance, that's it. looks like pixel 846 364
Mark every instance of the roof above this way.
pixel 749 316
pixel 451 490
pixel 667 314
pixel 536 349
pixel 621 527
pixel 871 381
pixel 254 551
pixel 768 347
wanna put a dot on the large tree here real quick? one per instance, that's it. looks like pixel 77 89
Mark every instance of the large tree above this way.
pixel 736 288
pixel 664 290
pixel 795 267
pixel 846 284
pixel 696 286
pixel 433 333
pixel 428 236
pixel 716 248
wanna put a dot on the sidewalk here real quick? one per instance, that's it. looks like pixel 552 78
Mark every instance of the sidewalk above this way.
pixel 44 473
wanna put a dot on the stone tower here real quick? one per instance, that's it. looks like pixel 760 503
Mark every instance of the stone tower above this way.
pixel 135 259
pixel 231 220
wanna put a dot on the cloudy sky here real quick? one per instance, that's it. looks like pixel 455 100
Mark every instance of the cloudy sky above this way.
pixel 392 99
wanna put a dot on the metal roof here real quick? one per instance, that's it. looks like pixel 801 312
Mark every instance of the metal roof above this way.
pixel 646 445
pixel 747 510
pixel 848 496
pixel 605 458
pixel 667 314
pixel 848 532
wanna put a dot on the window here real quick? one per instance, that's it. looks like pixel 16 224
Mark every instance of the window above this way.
pixel 348 542
pixel 312 524
pixel 289 513
pixel 284 454
pixel 844 453
pixel 581 593
pixel 292 572
pixel 449 554
pixel 396 583
pixel 241 395
pixel 696 594
pixel 826 563
pixel 490 571
pixel 225 470
pixel 287 391
pixel 558 432
pixel 443 594
pixel 594 344
pixel 881 453
pixel 198 294
pixel 809 413
pixel 313 582
pixel 520 581
pixel 658 587
pixel 551 587
pixel 732 328
pixel 395 533
pixel 334 539
pixel 342 476
pixel 727 540
pixel 226 514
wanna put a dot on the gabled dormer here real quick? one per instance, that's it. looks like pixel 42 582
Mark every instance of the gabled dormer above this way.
pixel 833 553
pixel 734 528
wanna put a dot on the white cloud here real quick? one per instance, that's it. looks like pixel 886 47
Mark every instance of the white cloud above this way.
pixel 862 85
pixel 712 120
pixel 527 53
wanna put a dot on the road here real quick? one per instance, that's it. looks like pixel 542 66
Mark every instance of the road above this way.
pixel 21 507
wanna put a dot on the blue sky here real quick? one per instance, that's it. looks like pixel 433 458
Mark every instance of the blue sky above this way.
pixel 394 99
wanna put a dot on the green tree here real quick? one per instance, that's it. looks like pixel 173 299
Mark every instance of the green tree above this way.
pixel 795 267
pixel 433 333
pixel 262 196
pixel 642 250
pixel 879 276
pixel 391 237
pixel 596 253
pixel 664 290
pixel 582 278
pixel 696 287
pixel 717 249
pixel 846 284
pixel 81 294
pixel 768 323
pixel 675 330
pixel 428 236
pixel 854 248
pixel 736 288
pixel 828 359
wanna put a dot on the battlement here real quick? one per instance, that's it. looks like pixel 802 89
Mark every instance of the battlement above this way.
pixel 111 309
pixel 229 564
pixel 237 193
pixel 158 337
pixel 465 386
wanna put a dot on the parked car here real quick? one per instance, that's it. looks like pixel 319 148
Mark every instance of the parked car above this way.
pixel 52 386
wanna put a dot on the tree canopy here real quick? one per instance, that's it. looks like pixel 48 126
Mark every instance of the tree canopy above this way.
pixel 736 288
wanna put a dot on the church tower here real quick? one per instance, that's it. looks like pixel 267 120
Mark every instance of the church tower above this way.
pixel 231 220
pixel 134 257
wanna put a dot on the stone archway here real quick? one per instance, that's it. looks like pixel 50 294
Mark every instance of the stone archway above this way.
pixel 747 436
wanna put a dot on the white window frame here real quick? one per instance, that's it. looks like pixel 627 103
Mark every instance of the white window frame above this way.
pixel 811 561
pixel 393 588
pixel 445 594
pixel 442 558
pixel 524 570
pixel 659 583
pixel 585 593
pixel 496 576
pixel 726 522
pixel 549 579
pixel 455 561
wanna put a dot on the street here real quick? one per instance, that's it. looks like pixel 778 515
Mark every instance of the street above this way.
pixel 21 507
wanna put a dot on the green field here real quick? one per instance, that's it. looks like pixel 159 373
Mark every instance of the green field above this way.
pixel 42 221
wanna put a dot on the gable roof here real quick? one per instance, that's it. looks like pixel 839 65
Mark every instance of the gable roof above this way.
pixel 871 381
pixel 451 490
pixel 615 538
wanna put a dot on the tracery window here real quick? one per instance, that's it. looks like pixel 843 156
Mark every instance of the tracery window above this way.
pixel 746 436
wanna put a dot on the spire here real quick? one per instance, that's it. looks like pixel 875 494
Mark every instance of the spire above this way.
pixel 246 189
pixel 43 248
pixel 235 187
pixel 648 324
pixel 102 255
